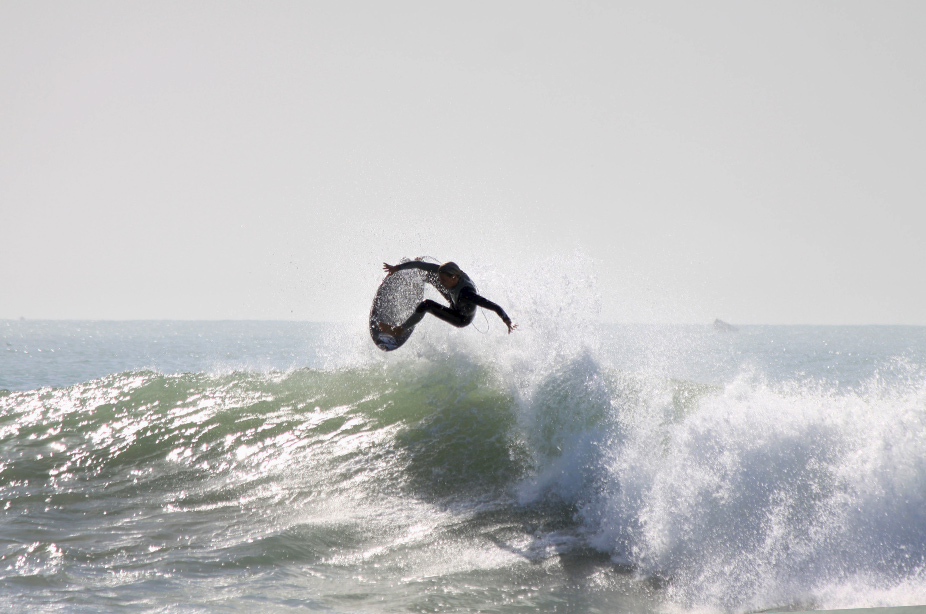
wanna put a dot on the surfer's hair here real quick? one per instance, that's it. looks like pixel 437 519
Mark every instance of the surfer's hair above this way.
pixel 450 268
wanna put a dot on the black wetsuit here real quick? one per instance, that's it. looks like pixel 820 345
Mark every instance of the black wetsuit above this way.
pixel 462 297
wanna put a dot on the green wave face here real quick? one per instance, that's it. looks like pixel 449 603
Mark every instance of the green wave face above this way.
pixel 425 431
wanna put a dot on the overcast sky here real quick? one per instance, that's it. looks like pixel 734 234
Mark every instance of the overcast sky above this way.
pixel 756 162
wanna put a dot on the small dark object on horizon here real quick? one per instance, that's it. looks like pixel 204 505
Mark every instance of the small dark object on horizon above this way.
pixel 722 326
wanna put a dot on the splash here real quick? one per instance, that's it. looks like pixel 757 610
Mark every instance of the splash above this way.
pixel 770 496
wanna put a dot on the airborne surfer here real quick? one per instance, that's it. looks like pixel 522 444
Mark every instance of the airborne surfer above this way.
pixel 455 286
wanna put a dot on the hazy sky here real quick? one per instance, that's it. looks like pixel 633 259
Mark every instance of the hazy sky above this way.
pixel 757 162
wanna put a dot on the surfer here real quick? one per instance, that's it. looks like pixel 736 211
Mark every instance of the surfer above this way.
pixel 455 286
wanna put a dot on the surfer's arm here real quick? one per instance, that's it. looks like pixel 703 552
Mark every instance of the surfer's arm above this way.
pixel 485 303
pixel 428 267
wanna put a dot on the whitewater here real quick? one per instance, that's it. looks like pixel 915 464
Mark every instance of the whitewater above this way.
pixel 572 466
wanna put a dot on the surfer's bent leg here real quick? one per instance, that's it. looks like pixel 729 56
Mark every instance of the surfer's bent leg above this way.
pixel 451 316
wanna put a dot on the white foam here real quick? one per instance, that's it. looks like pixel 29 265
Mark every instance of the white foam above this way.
pixel 766 496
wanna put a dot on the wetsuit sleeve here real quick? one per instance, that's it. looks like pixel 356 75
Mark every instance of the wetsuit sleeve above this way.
pixel 474 298
pixel 428 267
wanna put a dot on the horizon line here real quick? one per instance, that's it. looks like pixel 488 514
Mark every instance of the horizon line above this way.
pixel 329 322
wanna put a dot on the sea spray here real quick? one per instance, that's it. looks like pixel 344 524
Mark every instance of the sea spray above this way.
pixel 775 495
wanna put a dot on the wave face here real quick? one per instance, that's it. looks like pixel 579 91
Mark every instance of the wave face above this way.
pixel 635 469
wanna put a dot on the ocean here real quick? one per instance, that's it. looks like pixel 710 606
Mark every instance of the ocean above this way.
pixel 568 467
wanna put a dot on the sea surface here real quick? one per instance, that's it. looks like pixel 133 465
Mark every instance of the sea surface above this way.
pixel 580 467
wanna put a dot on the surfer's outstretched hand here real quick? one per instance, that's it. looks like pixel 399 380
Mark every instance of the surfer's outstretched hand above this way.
pixel 511 325
pixel 390 268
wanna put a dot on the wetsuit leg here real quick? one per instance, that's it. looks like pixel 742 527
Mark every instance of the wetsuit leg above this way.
pixel 451 316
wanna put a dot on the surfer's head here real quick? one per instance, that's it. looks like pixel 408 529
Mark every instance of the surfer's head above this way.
pixel 449 274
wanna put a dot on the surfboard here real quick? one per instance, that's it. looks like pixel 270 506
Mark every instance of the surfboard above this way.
pixel 395 300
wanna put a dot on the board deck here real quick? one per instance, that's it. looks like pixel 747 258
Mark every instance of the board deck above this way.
pixel 396 299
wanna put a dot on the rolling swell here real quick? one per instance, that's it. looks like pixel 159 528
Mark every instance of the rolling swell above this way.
pixel 142 472
pixel 142 430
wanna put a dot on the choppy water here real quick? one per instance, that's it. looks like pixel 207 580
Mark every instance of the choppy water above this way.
pixel 185 466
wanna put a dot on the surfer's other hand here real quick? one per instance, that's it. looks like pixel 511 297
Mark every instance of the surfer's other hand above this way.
pixel 511 326
pixel 390 269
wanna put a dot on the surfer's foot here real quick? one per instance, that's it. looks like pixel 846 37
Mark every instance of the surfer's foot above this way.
pixel 389 329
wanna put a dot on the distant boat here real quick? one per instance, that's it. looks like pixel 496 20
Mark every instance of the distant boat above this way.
pixel 722 326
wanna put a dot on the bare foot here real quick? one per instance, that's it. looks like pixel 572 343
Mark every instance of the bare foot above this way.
pixel 389 329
